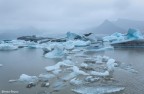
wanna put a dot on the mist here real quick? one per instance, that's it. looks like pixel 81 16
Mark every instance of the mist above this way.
pixel 60 16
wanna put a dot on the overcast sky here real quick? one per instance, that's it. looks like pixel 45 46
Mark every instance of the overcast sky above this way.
pixel 66 14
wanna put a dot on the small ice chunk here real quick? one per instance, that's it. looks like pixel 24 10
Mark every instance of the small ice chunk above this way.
pixel 92 79
pixel 12 81
pixel 103 74
pixel 56 72
pixel 76 81
pixel 78 71
pixel 46 76
pixel 27 78
pixel 105 58
pixel 99 59
pixel 58 85
pixel 47 84
pixel 98 89
pixel 111 64
pixel 59 64
pixel 69 76
pixel 83 65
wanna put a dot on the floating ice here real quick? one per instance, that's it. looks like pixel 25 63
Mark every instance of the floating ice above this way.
pixel 92 79
pixel 58 85
pixel 77 71
pixel 114 37
pixel 76 81
pixel 69 45
pixel 103 74
pixel 59 64
pixel 111 64
pixel 56 53
pixel 80 43
pixel 98 89
pixel 11 81
pixel 27 78
pixel 7 47
pixel 69 76
pixel 46 77
pixel 72 36
pixel 134 34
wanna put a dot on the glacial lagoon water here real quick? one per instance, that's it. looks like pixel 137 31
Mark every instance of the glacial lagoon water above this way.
pixel 32 62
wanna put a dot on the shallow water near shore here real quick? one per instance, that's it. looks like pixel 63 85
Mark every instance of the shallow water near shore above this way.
pixel 32 62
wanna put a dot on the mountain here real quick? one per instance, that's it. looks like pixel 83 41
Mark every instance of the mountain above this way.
pixel 126 24
pixel 121 25
pixel 107 27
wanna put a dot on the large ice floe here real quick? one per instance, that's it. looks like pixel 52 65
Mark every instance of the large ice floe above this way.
pixel 133 34
pixel 97 90
pixel 56 51
pixel 7 47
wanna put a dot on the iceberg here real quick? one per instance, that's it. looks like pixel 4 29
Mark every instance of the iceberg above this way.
pixel 134 34
pixel 27 78
pixel 72 36
pixel 7 47
pixel 97 89
pixel 77 71
pixel 58 52
pixel 111 64
pixel 114 37
pixel 80 43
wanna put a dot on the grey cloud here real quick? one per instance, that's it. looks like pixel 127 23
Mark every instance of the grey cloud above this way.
pixel 61 14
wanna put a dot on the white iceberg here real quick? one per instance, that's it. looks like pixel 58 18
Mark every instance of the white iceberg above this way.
pixel 58 52
pixel 80 43
pixel 101 74
pixel 72 36
pixel 134 34
pixel 59 64
pixel 7 47
pixel 98 89
pixel 114 37
pixel 27 78
pixel 111 64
